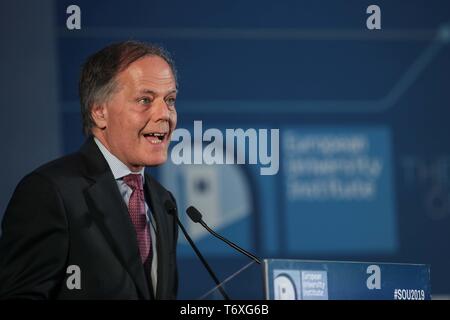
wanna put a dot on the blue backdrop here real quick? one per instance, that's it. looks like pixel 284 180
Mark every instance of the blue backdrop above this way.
pixel 363 118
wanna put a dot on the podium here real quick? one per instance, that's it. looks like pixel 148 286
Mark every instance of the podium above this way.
pixel 282 279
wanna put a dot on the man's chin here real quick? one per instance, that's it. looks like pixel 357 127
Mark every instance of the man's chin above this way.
pixel 155 161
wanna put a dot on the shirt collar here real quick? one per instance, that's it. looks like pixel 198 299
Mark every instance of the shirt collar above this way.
pixel 118 168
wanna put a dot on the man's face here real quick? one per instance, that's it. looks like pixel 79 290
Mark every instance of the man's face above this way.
pixel 136 122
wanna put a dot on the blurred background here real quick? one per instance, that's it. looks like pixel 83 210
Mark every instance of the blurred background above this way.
pixel 363 119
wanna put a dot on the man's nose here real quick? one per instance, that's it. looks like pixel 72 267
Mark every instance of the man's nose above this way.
pixel 161 110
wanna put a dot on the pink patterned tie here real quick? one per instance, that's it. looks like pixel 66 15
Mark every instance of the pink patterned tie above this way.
pixel 136 208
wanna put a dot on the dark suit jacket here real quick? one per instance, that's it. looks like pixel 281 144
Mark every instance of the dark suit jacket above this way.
pixel 70 212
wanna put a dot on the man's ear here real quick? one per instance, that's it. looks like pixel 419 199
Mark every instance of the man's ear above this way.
pixel 99 114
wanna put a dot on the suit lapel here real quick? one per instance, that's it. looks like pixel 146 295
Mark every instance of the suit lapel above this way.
pixel 111 213
pixel 161 243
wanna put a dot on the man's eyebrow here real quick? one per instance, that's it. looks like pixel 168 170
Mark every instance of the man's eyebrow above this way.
pixel 148 91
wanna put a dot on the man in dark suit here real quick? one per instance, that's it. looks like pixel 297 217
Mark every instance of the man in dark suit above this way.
pixel 93 225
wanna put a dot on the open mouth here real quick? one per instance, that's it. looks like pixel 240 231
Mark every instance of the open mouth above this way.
pixel 155 137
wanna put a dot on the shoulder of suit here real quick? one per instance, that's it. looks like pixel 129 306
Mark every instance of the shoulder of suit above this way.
pixel 154 184
pixel 72 165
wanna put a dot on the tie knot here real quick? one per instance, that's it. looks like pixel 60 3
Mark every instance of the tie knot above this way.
pixel 134 181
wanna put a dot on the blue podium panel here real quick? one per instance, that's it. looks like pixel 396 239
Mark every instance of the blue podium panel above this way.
pixel 333 280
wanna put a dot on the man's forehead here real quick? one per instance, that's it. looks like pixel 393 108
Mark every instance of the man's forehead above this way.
pixel 150 74
pixel 153 67
pixel 153 91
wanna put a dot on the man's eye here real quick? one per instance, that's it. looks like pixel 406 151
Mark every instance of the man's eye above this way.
pixel 170 101
pixel 145 100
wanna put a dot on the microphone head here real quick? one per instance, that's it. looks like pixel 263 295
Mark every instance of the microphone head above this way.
pixel 170 207
pixel 194 214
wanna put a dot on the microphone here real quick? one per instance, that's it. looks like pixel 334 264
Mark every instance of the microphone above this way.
pixel 172 210
pixel 196 216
